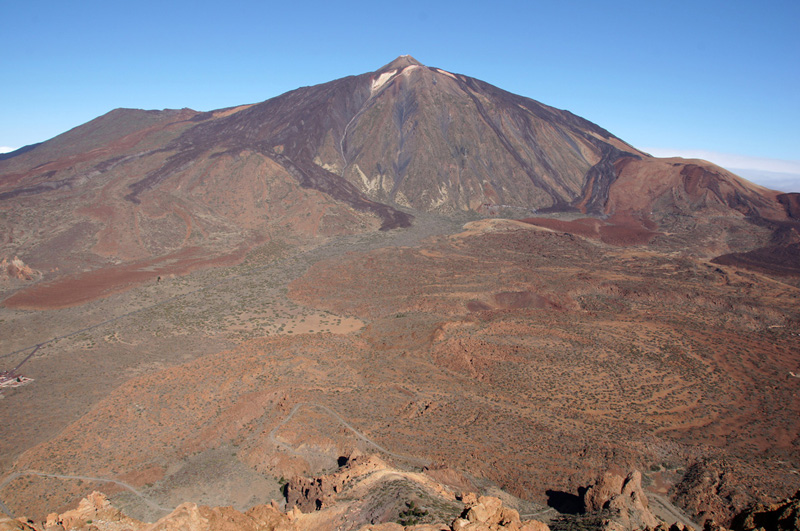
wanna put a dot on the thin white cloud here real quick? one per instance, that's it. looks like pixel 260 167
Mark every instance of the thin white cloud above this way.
pixel 730 160
pixel 776 174
pixel 785 182
pixel 6 149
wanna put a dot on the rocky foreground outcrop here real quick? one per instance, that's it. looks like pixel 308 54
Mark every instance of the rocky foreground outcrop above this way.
pixel 622 497
pixel 414 500
pixel 488 514
pixel 780 516
pixel 711 492
pixel 95 513
pixel 313 494
pixel 620 501
pixel 364 494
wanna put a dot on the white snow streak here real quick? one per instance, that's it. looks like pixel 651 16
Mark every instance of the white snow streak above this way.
pixel 382 79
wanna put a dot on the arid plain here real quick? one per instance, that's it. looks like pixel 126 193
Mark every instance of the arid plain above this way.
pixel 520 356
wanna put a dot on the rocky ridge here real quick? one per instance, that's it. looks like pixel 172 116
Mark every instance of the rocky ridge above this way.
pixel 355 498
pixel 613 503
pixel 779 516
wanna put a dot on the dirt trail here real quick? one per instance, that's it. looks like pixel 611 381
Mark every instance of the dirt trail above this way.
pixel 122 484
pixel 663 507
pixel 296 408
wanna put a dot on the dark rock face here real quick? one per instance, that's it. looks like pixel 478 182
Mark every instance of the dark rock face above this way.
pixel 309 494
pixel 791 202
pixel 710 492
pixel 781 516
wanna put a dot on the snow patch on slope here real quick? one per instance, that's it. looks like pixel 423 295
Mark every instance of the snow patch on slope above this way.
pixel 382 79
pixel 370 186
pixel 443 197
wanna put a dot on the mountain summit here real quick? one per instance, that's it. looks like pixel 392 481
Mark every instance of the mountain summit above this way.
pixel 402 61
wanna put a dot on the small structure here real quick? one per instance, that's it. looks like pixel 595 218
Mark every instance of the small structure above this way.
pixel 12 379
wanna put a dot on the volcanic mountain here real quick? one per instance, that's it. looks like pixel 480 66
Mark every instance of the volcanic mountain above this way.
pixel 175 190
pixel 203 303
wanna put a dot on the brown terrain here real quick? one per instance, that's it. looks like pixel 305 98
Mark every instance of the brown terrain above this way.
pixel 223 308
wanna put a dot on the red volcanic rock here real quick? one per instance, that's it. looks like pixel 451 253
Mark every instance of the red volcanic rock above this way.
pixel 622 229
pixel 521 299
pixel 95 513
pixel 677 527
pixel 662 186
pixel 624 497
pixel 313 494
pixel 94 510
pixel 487 513
pixel 597 496
pixel 791 202
pixel 711 492
pixel 74 290
pixel 17 269
pixel 780 516
pixel 202 518
pixel 449 476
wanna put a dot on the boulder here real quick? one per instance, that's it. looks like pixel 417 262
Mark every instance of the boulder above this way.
pixel 487 513
pixel 624 498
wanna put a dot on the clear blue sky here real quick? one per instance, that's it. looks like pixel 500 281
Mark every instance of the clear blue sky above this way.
pixel 718 76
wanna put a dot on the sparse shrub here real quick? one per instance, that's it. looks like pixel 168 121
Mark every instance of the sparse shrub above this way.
pixel 411 515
